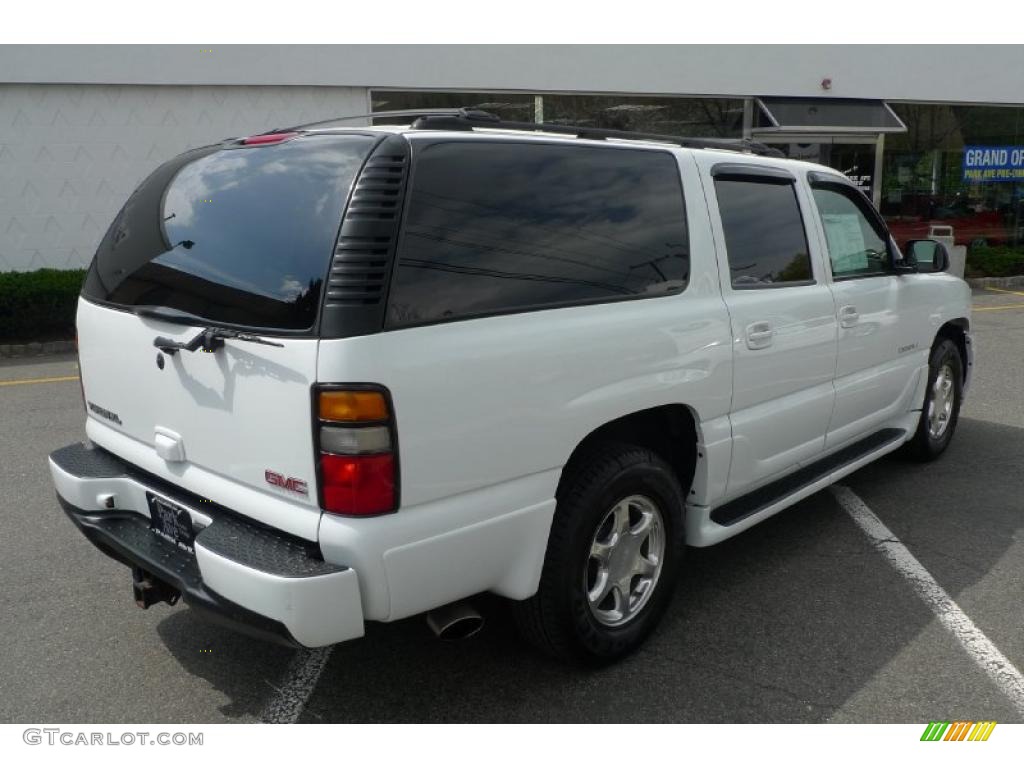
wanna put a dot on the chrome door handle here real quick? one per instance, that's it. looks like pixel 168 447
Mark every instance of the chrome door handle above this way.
pixel 848 316
pixel 759 335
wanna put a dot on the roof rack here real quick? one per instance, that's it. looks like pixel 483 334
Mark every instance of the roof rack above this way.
pixel 436 112
pixel 463 119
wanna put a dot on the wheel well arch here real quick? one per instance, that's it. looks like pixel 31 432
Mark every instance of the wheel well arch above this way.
pixel 956 331
pixel 671 431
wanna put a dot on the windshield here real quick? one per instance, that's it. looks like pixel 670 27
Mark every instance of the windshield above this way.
pixel 241 236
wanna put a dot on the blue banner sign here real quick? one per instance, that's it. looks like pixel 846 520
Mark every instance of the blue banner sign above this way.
pixel 993 164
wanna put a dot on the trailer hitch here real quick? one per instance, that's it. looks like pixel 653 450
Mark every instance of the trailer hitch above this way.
pixel 149 590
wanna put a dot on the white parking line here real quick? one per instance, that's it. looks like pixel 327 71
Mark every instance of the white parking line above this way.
pixel 1002 671
pixel 299 682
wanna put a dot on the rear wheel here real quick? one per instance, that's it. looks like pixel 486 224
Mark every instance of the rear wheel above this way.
pixel 614 549
pixel 941 403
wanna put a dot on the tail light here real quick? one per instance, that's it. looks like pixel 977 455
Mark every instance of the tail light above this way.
pixel 356 447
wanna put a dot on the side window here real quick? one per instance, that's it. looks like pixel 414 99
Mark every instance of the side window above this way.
pixel 764 232
pixel 856 244
pixel 497 227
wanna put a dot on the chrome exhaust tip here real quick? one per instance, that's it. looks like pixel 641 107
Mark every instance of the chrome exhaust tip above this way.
pixel 456 621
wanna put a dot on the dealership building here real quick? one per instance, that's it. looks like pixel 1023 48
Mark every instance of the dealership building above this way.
pixel 933 134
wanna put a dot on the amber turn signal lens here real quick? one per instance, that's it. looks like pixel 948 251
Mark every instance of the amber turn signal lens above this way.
pixel 348 405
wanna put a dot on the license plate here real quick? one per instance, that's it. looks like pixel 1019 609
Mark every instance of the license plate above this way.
pixel 171 523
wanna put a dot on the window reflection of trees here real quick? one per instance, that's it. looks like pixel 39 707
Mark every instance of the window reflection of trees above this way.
pixel 674 115
pixel 575 223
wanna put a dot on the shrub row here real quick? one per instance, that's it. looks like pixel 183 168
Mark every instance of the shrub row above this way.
pixel 40 305
pixel 994 261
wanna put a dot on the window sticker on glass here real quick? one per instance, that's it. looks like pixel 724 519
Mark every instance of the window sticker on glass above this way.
pixel 846 245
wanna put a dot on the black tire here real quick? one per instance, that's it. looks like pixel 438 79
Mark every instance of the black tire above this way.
pixel 925 445
pixel 558 619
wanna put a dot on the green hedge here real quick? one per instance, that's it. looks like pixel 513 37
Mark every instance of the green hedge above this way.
pixel 40 305
pixel 994 261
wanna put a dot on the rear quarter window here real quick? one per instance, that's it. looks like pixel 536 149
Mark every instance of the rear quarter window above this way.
pixel 240 236
pixel 497 227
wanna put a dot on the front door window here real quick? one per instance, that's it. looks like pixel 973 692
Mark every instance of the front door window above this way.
pixel 857 247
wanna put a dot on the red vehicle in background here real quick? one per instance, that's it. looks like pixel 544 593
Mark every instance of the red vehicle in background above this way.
pixel 971 226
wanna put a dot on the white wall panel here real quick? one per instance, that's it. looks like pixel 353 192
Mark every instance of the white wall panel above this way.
pixel 967 73
pixel 71 154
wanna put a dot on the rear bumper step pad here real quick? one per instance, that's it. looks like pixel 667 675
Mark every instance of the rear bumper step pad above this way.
pixel 260 581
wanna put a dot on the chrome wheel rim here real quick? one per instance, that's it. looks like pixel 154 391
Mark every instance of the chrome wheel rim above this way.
pixel 940 409
pixel 625 559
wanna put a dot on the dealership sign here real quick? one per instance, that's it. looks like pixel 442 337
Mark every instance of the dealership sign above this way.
pixel 993 163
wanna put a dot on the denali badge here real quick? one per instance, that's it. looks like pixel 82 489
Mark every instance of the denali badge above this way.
pixel 108 415
pixel 292 484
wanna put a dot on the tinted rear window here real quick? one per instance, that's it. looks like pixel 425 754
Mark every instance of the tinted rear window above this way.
pixel 500 227
pixel 237 236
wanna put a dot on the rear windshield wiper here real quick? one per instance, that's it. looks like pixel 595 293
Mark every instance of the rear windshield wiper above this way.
pixel 209 340
pixel 170 315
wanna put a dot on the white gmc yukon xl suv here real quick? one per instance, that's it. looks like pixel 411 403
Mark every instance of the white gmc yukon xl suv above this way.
pixel 336 375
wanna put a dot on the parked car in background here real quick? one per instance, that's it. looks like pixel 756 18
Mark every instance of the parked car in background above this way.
pixel 970 227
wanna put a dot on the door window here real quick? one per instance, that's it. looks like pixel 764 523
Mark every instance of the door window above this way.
pixel 764 233
pixel 857 245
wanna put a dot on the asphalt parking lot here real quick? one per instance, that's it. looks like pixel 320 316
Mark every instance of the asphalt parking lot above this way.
pixel 799 619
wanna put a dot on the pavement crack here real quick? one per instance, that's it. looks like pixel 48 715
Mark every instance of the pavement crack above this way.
pixel 724 672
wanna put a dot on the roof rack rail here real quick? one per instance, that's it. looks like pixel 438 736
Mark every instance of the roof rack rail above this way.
pixel 414 113
pixel 464 119
pixel 468 119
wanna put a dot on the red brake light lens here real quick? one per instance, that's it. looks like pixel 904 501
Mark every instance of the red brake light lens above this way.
pixel 355 440
pixel 358 485
pixel 268 138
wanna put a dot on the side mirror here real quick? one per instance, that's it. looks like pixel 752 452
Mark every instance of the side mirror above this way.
pixel 927 255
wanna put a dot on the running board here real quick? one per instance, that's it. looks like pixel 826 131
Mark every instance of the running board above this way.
pixel 771 494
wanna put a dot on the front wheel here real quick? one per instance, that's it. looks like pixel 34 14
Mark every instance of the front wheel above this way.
pixel 941 407
pixel 614 549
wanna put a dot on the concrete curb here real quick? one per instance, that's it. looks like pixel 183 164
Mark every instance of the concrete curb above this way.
pixel 1014 281
pixel 36 349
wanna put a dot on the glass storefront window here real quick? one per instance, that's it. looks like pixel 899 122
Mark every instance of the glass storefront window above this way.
pixel 509 106
pixel 676 116
pixel 719 118
pixel 924 180
pixel 926 183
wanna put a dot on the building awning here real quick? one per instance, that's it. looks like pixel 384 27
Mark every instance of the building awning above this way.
pixel 793 115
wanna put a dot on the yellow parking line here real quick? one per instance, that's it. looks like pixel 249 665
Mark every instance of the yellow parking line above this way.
pixel 1006 290
pixel 50 380
pixel 1001 306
